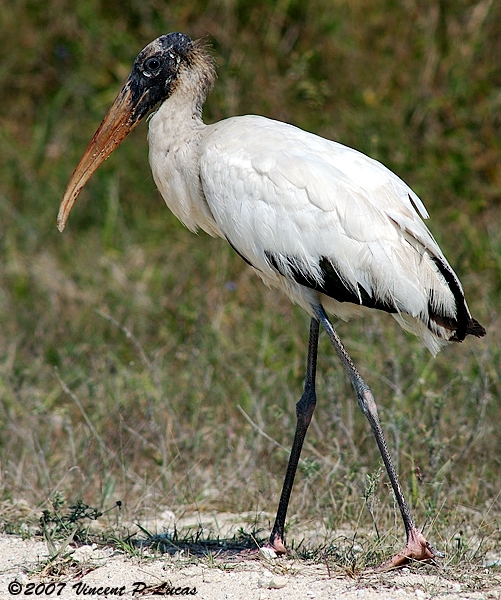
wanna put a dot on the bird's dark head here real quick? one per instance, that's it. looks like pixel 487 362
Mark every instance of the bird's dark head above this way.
pixel 159 69
pixel 156 69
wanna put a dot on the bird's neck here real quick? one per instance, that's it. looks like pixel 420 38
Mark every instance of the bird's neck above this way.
pixel 181 113
pixel 193 83
pixel 176 133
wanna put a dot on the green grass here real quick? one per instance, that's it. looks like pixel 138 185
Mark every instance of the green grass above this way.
pixel 130 348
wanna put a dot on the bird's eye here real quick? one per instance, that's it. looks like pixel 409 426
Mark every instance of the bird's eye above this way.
pixel 152 65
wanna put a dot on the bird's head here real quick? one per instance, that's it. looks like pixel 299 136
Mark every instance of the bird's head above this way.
pixel 154 77
pixel 154 74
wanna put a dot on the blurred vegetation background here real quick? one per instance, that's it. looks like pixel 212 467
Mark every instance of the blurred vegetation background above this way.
pixel 130 349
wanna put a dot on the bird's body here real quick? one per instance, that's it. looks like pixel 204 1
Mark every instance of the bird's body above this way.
pixel 324 223
pixel 298 208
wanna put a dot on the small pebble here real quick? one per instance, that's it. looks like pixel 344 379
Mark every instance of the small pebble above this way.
pixel 272 582
pixel 279 581
pixel 267 553
pixel 83 554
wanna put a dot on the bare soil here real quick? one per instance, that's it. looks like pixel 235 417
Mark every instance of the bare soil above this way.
pixel 105 572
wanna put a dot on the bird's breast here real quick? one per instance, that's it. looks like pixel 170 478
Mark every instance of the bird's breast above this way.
pixel 175 164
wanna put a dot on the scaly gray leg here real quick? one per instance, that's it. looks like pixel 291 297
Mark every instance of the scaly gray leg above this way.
pixel 417 547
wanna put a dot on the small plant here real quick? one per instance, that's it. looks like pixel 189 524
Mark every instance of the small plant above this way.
pixel 372 480
pixel 67 527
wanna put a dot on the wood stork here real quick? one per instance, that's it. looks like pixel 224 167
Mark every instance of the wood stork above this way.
pixel 330 227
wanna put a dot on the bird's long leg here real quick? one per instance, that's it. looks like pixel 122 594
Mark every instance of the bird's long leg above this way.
pixel 417 547
pixel 304 412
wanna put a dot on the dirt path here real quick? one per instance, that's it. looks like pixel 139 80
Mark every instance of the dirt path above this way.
pixel 93 570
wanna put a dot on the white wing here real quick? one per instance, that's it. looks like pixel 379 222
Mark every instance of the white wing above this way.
pixel 276 190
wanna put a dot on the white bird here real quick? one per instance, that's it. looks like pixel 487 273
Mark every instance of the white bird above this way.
pixel 330 227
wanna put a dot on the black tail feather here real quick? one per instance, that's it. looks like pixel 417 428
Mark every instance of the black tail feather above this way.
pixel 474 328
pixel 464 323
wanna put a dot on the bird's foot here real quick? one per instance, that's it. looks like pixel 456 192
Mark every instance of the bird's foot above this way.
pixel 276 543
pixel 274 547
pixel 417 548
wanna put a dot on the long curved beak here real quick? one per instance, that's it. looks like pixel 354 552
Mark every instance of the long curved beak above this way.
pixel 116 126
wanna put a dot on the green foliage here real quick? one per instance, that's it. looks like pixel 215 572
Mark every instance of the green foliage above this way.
pixel 128 345
pixel 59 526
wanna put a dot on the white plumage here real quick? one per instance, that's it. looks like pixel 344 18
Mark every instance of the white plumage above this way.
pixel 327 225
pixel 267 186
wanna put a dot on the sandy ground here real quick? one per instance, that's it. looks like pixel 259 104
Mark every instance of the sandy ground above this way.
pixel 105 572
pixel 22 562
